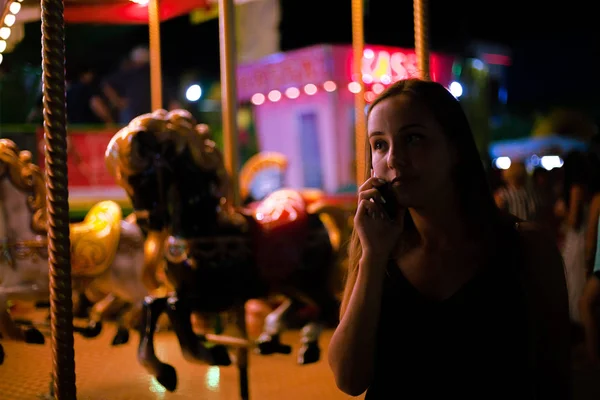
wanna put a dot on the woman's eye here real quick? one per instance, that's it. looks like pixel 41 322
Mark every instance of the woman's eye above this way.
pixel 379 145
pixel 414 138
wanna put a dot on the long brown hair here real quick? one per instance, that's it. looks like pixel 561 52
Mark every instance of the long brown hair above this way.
pixel 477 203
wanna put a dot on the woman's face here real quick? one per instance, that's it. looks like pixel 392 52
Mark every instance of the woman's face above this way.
pixel 410 149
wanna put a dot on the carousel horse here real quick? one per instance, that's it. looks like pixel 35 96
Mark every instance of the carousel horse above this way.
pixel 218 257
pixel 106 251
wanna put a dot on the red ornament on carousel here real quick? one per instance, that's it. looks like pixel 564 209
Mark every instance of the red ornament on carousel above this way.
pixel 282 222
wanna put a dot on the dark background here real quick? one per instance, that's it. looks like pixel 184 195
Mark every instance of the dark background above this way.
pixel 556 54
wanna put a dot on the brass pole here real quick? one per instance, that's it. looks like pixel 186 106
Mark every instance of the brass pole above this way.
pixel 360 124
pixel 155 61
pixel 422 37
pixel 59 244
pixel 227 38
pixel 229 93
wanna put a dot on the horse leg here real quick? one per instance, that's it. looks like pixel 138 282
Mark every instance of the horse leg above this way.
pixel 129 319
pixel 8 328
pixel 192 346
pixel 242 353
pixel 1 355
pixel 165 374
pixel 123 325
pixel 94 326
pixel 82 306
pixel 309 351
pixel 269 341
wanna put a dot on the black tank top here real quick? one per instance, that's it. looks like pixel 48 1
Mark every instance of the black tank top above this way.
pixel 473 345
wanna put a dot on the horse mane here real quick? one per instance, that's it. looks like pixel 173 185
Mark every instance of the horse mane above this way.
pixel 28 178
pixel 179 126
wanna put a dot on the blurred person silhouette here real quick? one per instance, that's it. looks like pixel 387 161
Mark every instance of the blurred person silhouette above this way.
pixel 128 90
pixel 516 197
pixel 577 194
pixel 589 303
pixel 85 103
pixel 450 297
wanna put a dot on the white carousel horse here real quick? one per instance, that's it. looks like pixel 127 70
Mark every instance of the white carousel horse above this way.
pixel 107 252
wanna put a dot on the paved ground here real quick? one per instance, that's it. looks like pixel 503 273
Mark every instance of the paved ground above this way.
pixel 105 373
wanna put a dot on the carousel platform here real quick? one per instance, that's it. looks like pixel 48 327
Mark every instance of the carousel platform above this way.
pixel 104 372
pixel 112 373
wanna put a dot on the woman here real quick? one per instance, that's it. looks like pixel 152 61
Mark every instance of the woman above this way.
pixel 450 298
pixel 577 194
pixel 589 303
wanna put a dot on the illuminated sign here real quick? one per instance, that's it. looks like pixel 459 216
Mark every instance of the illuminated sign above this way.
pixel 387 67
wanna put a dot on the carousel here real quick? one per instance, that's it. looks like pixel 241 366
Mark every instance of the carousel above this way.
pixel 204 237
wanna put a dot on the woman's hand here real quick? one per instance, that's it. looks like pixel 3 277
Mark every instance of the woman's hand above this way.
pixel 378 234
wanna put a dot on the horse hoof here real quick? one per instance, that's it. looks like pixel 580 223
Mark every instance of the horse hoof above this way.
pixel 92 330
pixel 122 337
pixel 309 353
pixel 33 336
pixel 167 377
pixel 1 355
pixel 270 344
pixel 220 355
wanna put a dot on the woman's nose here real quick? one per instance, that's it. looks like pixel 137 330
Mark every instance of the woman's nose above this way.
pixel 397 157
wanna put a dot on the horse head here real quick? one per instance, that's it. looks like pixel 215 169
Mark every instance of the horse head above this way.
pixel 140 157
pixel 200 184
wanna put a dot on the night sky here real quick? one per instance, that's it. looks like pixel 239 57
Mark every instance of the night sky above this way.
pixel 556 48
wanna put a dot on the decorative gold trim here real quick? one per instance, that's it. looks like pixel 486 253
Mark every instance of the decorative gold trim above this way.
pixel 95 240
pixel 27 249
pixel 257 163
pixel 27 177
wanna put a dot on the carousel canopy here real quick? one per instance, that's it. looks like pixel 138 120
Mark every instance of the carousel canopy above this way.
pixel 115 12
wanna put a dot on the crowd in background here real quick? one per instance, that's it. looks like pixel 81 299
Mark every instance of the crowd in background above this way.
pixel 114 99
pixel 566 201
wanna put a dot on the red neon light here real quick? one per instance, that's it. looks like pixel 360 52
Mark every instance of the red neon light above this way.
pixel 386 67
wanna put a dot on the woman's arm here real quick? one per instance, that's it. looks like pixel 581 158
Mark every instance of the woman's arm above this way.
pixel 548 305
pixel 574 216
pixel 352 347
pixel 589 305
pixel 591 236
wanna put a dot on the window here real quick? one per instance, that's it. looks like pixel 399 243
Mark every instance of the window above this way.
pixel 310 150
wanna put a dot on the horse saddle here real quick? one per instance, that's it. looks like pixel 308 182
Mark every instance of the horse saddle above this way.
pixel 94 241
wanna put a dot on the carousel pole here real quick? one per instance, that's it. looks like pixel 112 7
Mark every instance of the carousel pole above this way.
pixel 229 93
pixel 230 139
pixel 360 124
pixel 59 244
pixel 421 37
pixel 156 97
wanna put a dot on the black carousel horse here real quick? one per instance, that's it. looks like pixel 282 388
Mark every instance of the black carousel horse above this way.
pixel 217 257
